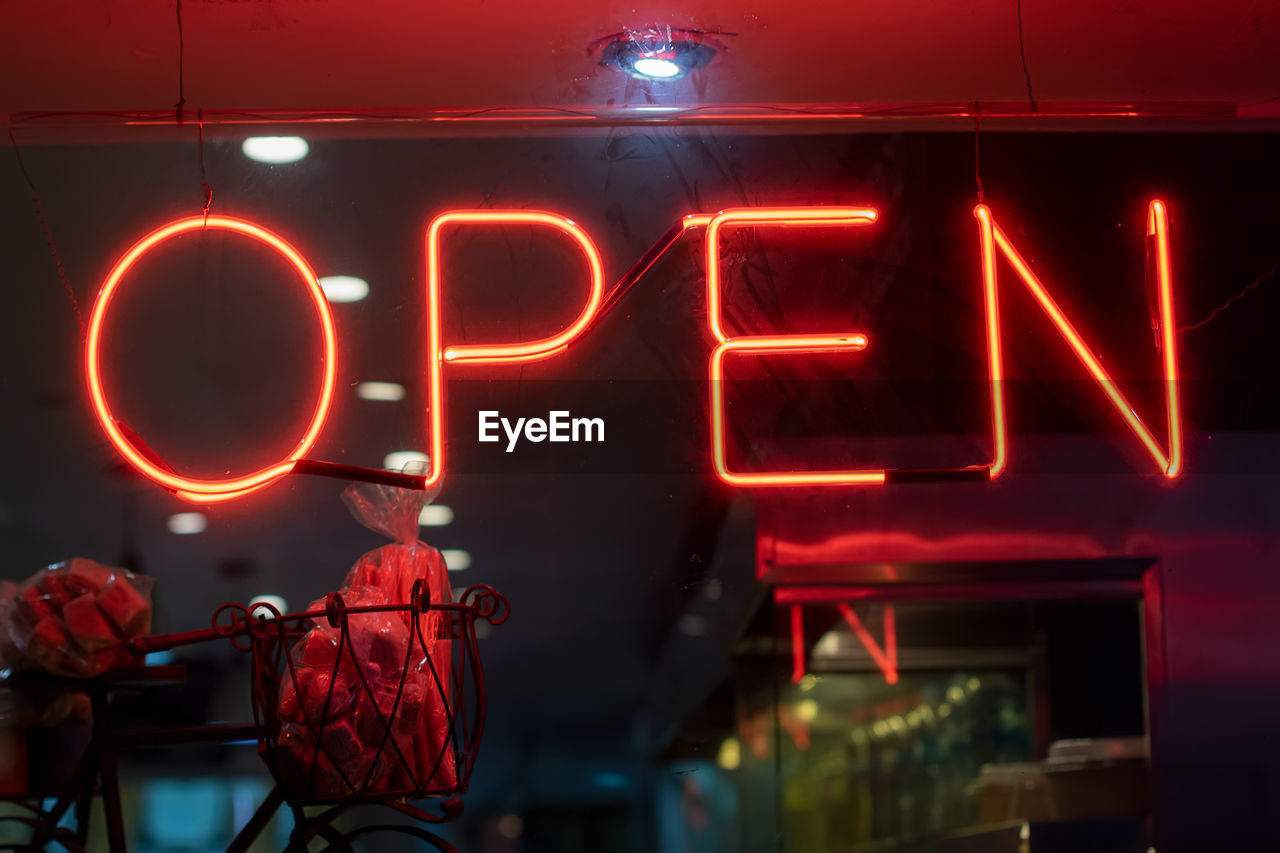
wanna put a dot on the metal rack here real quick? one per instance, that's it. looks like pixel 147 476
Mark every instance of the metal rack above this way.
pixel 387 706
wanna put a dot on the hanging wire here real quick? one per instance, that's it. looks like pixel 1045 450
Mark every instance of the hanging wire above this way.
pixel 48 234
pixel 1022 51
pixel 182 98
pixel 1224 306
pixel 204 177
pixel 977 150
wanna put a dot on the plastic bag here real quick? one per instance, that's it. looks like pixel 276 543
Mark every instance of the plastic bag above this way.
pixel 373 714
pixel 340 725
pixel 74 619
pixel 395 568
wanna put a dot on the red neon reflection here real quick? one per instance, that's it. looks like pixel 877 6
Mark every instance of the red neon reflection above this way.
pixel 437 354
pixel 886 658
pixel 775 344
pixel 794 726
pixel 797 643
pixel 207 491
pixel 993 237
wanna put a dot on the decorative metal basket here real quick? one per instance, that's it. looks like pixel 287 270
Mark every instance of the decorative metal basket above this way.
pixel 372 702
pixel 367 703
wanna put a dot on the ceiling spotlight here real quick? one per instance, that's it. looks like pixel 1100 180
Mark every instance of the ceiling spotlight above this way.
pixel 656 67
pixel 275 149
pixel 390 392
pixel 656 53
pixel 275 602
pixel 187 523
pixel 406 461
pixel 456 560
pixel 344 288
pixel 435 515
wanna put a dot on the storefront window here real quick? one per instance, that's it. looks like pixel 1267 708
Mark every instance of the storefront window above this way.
pixel 942 644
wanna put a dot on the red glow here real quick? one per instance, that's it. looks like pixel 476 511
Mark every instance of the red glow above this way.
pixel 494 353
pixel 886 658
pixel 532 350
pixel 188 488
pixel 784 216
pixel 775 344
pixel 992 238
pixel 794 726
pixel 797 643
pixel 760 344
pixel 1157 226
pixel 995 354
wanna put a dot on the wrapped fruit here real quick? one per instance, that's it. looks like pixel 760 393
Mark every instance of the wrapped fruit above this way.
pixel 337 725
pixel 74 619
pixel 370 711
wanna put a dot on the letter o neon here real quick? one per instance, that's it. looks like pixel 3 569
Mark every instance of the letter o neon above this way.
pixel 186 487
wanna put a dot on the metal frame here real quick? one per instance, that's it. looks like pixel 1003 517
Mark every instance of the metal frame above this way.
pixel 270 639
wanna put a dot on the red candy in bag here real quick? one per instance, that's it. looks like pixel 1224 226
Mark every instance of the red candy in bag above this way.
pixel 372 713
pixel 74 619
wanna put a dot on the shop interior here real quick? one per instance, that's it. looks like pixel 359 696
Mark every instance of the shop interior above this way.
pixel 663 682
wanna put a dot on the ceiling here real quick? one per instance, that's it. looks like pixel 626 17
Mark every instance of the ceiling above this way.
pixel 351 55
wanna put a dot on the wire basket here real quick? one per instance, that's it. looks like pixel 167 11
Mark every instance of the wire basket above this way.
pixel 367 703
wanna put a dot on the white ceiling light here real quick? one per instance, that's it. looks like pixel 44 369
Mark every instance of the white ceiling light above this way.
pixel 435 515
pixel 187 523
pixel 390 392
pixel 456 560
pixel 656 53
pixel 657 68
pixel 344 288
pixel 397 460
pixel 275 149
pixel 276 601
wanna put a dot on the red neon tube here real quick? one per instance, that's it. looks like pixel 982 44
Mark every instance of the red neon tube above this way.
pixel 995 351
pixel 188 488
pixel 783 216
pixel 762 345
pixel 438 354
pixel 531 350
pixel 1157 226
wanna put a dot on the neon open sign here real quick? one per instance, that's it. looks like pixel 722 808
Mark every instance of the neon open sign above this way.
pixel 993 242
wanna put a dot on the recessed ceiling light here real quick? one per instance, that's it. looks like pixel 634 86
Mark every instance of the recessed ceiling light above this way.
pixel 390 392
pixel 344 288
pixel 456 560
pixel 435 515
pixel 276 601
pixel 510 826
pixel 275 149
pixel 187 523
pixel 406 460
pixel 656 66
pixel 692 624
pixel 656 53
